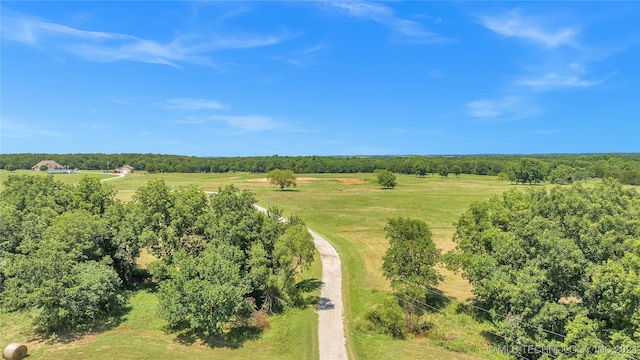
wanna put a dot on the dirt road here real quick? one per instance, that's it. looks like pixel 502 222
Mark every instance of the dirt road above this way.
pixel 331 338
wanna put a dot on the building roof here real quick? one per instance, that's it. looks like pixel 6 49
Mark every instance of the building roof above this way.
pixel 49 163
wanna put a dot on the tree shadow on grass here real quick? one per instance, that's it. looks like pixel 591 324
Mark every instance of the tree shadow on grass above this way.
pixel 242 331
pixel 437 299
pixel 492 337
pixel 149 286
pixel 233 338
pixel 99 326
pixel 477 309
pixel 307 286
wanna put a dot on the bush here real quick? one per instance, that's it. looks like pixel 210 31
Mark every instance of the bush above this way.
pixel 386 178
pixel 259 320
pixel 387 317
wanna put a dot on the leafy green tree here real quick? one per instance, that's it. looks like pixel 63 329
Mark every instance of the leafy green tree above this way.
pixel 282 178
pixel 420 169
pixel 294 252
pixel 386 179
pixel 233 220
pixel 443 170
pixel 411 256
pixel 203 293
pixel 562 175
pixel 66 277
pixel 565 259
pixel 409 263
pixel 10 226
pixel 456 170
pixel 387 317
pixel 631 177
pixel 92 195
pixel 36 194
pixel 124 244
pixel 153 204
pixel 529 170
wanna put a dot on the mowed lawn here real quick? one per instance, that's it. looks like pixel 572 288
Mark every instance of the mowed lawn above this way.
pixel 350 210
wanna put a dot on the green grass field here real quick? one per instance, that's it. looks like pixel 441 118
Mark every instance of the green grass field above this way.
pixel 350 210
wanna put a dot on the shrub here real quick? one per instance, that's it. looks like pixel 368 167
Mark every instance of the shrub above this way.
pixel 387 317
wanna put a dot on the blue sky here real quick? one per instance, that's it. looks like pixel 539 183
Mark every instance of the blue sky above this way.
pixel 319 77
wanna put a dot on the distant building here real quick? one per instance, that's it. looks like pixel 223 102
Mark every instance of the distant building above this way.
pixel 50 164
pixel 125 169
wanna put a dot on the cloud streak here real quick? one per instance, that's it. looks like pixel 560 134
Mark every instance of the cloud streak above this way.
pixel 249 122
pixel 505 108
pixel 192 109
pixel 111 47
pixel 405 29
pixel 191 104
pixel 513 24
pixel 11 129
pixel 552 81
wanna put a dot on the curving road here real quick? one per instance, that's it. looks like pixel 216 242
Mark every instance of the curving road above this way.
pixel 113 178
pixel 331 338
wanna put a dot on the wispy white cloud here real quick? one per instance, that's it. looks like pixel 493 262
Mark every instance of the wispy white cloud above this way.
pixel 406 29
pixel 551 81
pixel 249 122
pixel 11 128
pixel 513 24
pixel 556 63
pixel 302 57
pixel 363 9
pixel 252 123
pixel 191 104
pixel 110 47
pixel 566 76
pixel 505 108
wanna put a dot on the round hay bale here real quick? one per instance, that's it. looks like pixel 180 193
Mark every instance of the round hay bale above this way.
pixel 14 351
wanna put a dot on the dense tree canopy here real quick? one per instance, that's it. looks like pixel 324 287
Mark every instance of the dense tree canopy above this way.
pixel 68 253
pixel 60 257
pixel 222 259
pixel 566 260
pixel 527 171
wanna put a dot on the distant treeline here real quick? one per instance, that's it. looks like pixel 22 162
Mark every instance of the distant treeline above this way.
pixel 568 167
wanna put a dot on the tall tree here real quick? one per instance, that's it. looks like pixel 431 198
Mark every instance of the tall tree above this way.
pixel 409 263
